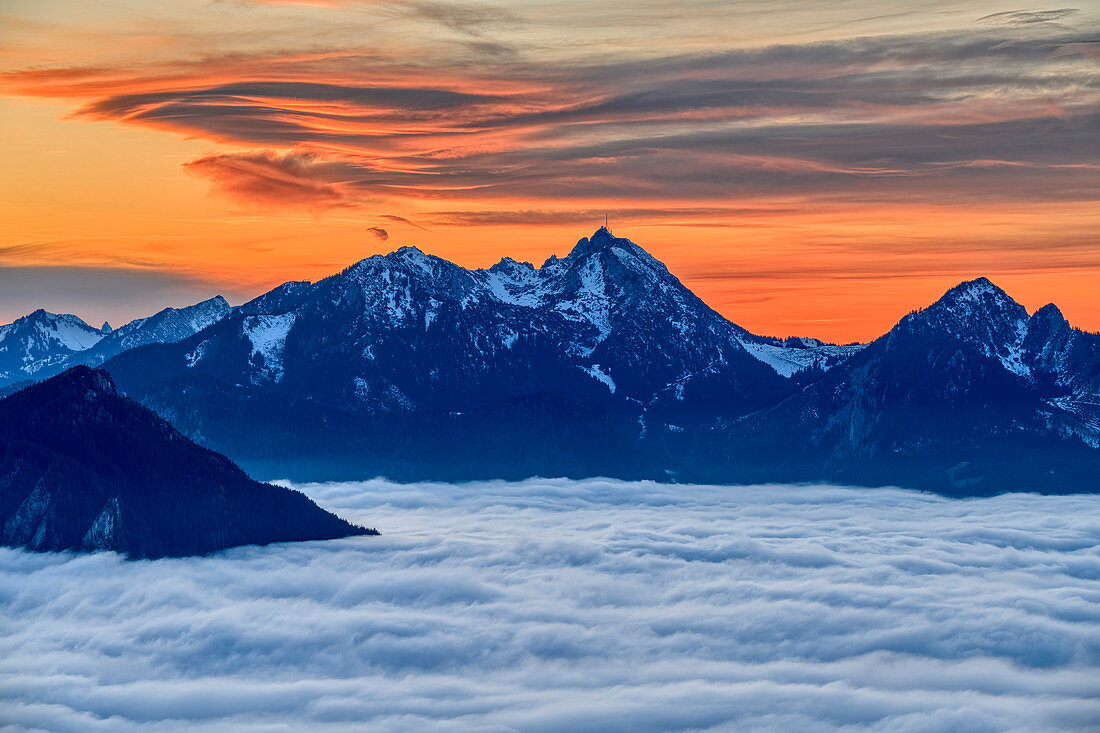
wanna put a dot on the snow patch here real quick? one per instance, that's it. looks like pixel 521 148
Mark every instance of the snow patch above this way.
pixel 195 355
pixel 268 336
pixel 595 372
pixel 1013 358
pixel 72 333
pixel 786 361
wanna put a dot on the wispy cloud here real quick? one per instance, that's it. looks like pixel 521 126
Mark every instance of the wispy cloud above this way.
pixel 955 112
pixel 265 178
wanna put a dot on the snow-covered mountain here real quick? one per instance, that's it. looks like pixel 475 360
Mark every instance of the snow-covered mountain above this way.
pixel 604 344
pixel 33 346
pixel 970 394
pixel 164 327
pixel 42 344
pixel 603 363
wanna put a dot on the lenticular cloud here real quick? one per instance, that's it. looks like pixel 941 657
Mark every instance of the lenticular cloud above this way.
pixel 582 606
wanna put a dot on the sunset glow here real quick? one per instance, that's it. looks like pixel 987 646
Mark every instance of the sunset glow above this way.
pixel 816 171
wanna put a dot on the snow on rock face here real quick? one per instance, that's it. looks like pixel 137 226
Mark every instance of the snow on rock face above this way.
pixel 102 535
pixel 787 360
pixel 268 337
pixel 194 356
pixel 71 332
pixel 595 372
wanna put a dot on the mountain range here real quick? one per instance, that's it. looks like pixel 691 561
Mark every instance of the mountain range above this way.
pixel 42 344
pixel 604 363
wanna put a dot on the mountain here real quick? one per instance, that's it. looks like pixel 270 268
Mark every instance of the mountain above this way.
pixel 40 342
pixel 970 396
pixel 166 326
pixel 603 363
pixel 414 367
pixel 43 344
pixel 84 468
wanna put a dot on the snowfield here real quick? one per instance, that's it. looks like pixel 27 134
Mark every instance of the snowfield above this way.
pixel 594 605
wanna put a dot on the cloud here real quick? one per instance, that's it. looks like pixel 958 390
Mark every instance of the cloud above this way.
pixel 402 220
pixel 1002 114
pixel 379 232
pixel 1030 17
pixel 592 605
pixel 268 179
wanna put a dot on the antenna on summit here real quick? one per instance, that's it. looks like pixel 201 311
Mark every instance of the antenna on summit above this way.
pixel 605 223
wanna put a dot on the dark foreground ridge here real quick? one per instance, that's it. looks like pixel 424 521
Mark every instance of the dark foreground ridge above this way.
pixel 84 468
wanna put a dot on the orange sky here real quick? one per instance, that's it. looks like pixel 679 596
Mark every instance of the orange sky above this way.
pixel 806 171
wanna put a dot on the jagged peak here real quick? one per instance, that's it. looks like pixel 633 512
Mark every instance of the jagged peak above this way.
pixel 979 313
pixel 45 317
pixel 408 250
pixel 979 294
pixel 507 264
pixel 1050 313
pixel 218 302
pixel 977 286
pixel 106 327
pixel 402 256
pixel 603 241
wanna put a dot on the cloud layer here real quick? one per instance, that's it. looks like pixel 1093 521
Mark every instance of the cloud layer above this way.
pixel 999 108
pixel 594 605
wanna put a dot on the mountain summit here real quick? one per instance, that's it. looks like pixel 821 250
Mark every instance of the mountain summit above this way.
pixel 969 395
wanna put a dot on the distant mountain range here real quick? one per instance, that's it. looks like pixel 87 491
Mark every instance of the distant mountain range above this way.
pixel 84 468
pixel 603 363
pixel 43 344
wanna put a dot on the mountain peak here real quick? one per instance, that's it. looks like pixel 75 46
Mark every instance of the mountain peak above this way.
pixel 1050 313
pixel 404 258
pixel 600 241
pixel 409 250
pixel 81 380
pixel 603 233
pixel 979 296
pixel 980 313
pixel 39 315
pixel 507 264
pixel 603 241
pixel 975 288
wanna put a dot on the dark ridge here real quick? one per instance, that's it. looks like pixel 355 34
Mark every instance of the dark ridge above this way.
pixel 84 468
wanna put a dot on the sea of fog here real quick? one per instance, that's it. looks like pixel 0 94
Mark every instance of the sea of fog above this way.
pixel 553 605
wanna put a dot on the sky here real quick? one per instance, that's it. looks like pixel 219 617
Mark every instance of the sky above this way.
pixel 594 605
pixel 807 168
